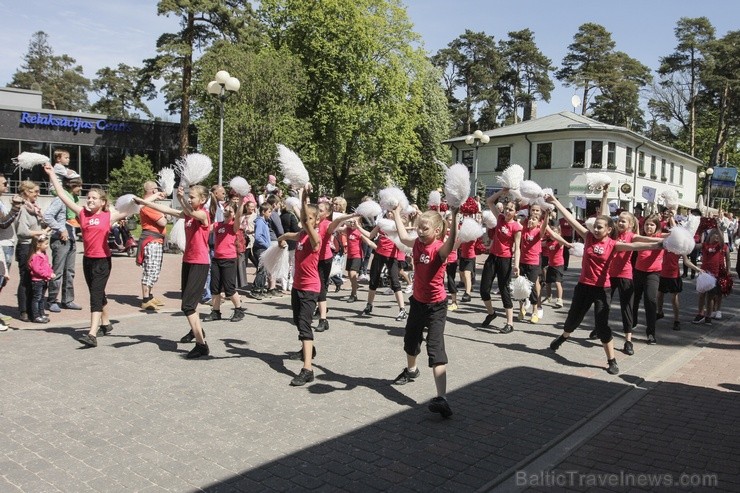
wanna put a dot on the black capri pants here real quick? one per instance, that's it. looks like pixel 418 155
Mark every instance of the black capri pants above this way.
pixel 499 267
pixel 303 304
pixel 451 284
pixel 376 269
pixel 646 287
pixel 626 289
pixel 97 272
pixel 324 274
pixel 583 297
pixel 192 279
pixel 532 273
pixel 223 276
pixel 432 316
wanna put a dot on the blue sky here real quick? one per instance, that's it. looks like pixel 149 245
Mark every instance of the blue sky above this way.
pixel 105 33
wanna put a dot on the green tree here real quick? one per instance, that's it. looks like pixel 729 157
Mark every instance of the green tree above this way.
pixel 130 177
pixel 61 81
pixel 586 60
pixel 528 71
pixel 472 68
pixel 120 95
pixel 618 102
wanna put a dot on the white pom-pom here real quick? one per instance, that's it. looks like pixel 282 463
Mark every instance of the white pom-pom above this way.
pixel 680 241
pixel 520 288
pixel 469 230
pixel 240 186
pixel 525 200
pixel 293 203
pixel 590 224
pixel 294 171
pixel 27 160
pixel 194 168
pixel 577 249
pixel 369 210
pixel 166 180
pixel 489 219
pixel 276 261
pixel 392 197
pixel 435 198
pixel 670 199
pixel 548 192
pixel 177 234
pixel 126 205
pixel 511 177
pixel 544 204
pixel 457 185
pixel 596 182
pixel 393 236
pixel 387 225
pixel 705 282
pixel 530 190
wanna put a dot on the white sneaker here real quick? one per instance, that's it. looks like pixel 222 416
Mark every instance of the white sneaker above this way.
pixel 540 313
pixel 364 277
pixel 558 303
pixel 409 289
pixel 717 315
pixel 3 326
pixel 388 291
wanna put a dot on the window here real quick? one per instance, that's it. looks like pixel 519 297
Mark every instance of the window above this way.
pixel 641 164
pixel 597 153
pixel 673 172
pixel 504 158
pixel 467 159
pixel 611 155
pixel 663 170
pixel 680 175
pixel 653 172
pixel 544 156
pixel 579 153
pixel 628 160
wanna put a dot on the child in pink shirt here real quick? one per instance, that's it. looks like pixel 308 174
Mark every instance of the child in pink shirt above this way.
pixel 41 274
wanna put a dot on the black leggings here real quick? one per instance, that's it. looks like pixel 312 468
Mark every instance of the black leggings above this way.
pixel 626 290
pixel 646 287
pixel 97 272
pixel 499 267
pixel 376 269
pixel 451 274
pixel 583 297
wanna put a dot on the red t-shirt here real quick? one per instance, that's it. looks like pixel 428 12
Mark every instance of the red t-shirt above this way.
pixel 650 260
pixel 354 243
pixel 95 229
pixel 597 255
pixel 429 272
pixel 385 246
pixel 325 252
pixel 531 245
pixel 400 254
pixel 503 237
pixel 306 277
pixel 670 266
pixel 452 257
pixel 621 265
pixel 225 240
pixel 554 253
pixel 566 230
pixel 713 257
pixel 467 250
pixel 196 240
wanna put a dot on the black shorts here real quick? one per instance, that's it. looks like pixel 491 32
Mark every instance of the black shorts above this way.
pixel 354 264
pixel 432 316
pixel 554 273
pixel 223 276
pixel 544 261
pixel 402 265
pixel 670 284
pixel 97 272
pixel 531 272
pixel 192 280
pixel 466 264
pixel 303 304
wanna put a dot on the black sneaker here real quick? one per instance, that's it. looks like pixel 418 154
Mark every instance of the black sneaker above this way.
pixel 255 294
pixel 698 319
pixel 489 318
pixel 406 376
pixel 612 369
pixel 676 325
pixel 105 329
pixel 651 339
pixel 368 309
pixel 316 311
pixel 304 377
pixel 322 326
pixel 198 351
pixel 337 288
pixel 237 315
pixel 89 340
pixel 190 337
pixel 298 355
pixel 439 405
pixel 213 316
pixel 659 315
pixel 592 336
pixel 507 329
pixel 555 345
pixel 629 349
pixel 349 299
pixel 402 315
pixel 707 320
pixel 466 298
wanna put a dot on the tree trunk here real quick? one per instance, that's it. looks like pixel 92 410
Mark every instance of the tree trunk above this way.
pixel 721 134
pixel 187 75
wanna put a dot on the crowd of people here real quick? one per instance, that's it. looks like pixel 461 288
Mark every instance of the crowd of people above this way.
pixel 622 254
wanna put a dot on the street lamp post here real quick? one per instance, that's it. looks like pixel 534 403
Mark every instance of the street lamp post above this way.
pixel 707 177
pixel 478 138
pixel 224 82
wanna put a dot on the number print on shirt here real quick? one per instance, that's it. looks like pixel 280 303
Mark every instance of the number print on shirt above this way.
pixel 93 221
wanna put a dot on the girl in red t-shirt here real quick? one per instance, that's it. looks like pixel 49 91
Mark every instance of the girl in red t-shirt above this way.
pixel 503 261
pixel 95 222
pixel 196 259
pixel 428 301
pixel 554 248
pixel 715 257
pixel 646 278
pixel 533 231
pixel 594 281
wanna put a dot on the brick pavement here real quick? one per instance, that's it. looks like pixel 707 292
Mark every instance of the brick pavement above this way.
pixel 133 415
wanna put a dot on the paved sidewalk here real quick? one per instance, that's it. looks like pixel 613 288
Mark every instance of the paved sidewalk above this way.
pixel 134 415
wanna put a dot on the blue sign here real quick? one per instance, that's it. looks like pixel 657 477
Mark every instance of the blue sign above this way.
pixel 76 124
pixel 723 182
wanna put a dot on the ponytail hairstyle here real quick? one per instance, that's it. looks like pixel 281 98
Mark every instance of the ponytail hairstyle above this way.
pixel 436 220
pixel 609 224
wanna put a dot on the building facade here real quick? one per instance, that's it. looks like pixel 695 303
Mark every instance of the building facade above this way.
pixel 557 150
pixel 96 144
